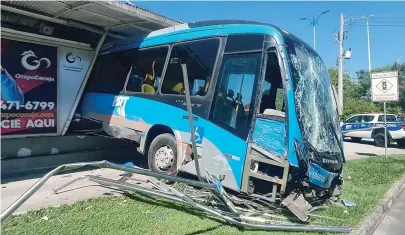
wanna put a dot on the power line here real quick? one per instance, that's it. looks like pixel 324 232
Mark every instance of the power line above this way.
pixel 388 18
pixel 379 21
pixel 383 25
pixel 379 16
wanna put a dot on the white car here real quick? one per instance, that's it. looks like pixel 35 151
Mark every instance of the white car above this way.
pixel 371 126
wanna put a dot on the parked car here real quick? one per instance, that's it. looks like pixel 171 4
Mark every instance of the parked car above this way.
pixel 371 126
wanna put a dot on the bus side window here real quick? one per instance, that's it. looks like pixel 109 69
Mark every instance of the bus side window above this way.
pixel 235 89
pixel 110 72
pixel 200 57
pixel 147 70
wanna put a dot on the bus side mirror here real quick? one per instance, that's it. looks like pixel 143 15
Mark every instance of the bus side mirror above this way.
pixel 339 108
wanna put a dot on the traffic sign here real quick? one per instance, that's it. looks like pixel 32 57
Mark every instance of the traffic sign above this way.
pixel 384 86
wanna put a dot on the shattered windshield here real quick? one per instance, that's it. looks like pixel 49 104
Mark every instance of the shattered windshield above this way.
pixel 314 100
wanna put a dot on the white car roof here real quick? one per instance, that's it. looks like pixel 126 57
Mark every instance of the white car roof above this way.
pixel 373 114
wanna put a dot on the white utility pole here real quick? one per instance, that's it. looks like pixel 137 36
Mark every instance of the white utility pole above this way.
pixel 369 72
pixel 314 38
pixel 368 45
pixel 340 80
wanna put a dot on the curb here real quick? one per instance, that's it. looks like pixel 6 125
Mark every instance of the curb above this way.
pixel 370 224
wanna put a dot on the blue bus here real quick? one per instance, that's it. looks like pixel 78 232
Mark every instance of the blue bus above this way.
pixel 264 110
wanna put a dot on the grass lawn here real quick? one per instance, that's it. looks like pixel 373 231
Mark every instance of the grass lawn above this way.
pixel 136 214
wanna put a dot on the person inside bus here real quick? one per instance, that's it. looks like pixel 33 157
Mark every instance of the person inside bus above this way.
pixel 269 100
pixel 274 80
pixel 148 85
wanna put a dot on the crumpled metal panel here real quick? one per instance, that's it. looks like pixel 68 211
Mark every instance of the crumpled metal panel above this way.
pixel 314 99
pixel 270 134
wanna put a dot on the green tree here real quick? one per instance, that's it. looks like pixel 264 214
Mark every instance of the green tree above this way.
pixel 357 91
pixel 353 99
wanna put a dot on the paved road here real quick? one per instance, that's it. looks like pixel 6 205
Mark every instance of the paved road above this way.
pixel 393 222
pixel 366 149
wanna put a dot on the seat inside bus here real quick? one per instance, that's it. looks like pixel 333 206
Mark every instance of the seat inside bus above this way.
pixel 145 75
pixel 199 71
pixel 149 79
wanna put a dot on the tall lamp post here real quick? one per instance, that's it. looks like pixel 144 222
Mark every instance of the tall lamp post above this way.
pixel 314 22
pixel 368 42
pixel 399 57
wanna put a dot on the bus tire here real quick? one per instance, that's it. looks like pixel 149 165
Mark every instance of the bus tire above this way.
pixel 379 140
pixel 162 154
pixel 401 142
pixel 355 139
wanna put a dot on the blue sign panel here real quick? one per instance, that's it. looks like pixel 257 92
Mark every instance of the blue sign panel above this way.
pixel 320 176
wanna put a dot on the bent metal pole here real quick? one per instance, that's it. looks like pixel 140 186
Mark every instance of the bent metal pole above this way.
pixel 100 164
pixel 269 225
pixel 191 120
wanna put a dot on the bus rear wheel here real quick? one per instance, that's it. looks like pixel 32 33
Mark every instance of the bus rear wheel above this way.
pixel 162 154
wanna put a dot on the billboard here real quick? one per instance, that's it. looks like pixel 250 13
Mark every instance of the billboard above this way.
pixel 384 86
pixel 29 90
pixel 73 65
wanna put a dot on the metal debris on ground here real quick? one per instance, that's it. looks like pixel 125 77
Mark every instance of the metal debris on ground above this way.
pixel 253 211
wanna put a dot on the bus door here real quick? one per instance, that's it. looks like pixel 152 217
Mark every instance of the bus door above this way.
pixel 266 163
pixel 231 116
pixel 269 130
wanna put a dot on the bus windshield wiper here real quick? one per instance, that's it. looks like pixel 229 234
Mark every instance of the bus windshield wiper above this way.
pixel 306 142
pixel 322 155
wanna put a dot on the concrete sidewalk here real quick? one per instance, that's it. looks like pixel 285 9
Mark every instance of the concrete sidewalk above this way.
pixel 45 197
pixel 393 222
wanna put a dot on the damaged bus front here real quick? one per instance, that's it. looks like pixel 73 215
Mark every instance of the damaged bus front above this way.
pixel 297 120
pixel 319 151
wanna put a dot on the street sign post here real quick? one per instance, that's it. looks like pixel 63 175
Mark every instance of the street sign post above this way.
pixel 384 87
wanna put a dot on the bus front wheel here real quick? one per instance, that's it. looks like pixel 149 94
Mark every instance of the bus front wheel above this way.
pixel 162 154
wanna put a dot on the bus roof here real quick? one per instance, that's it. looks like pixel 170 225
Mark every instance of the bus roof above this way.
pixel 194 30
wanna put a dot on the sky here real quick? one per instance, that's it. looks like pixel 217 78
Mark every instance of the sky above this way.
pixel 387 43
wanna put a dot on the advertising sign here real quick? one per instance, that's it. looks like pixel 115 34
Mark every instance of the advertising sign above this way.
pixel 73 65
pixel 384 86
pixel 28 88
